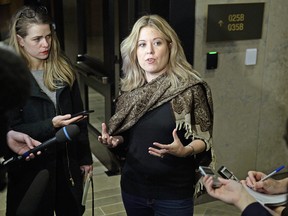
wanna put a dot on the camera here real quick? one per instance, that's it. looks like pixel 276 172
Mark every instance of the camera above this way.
pixel 227 174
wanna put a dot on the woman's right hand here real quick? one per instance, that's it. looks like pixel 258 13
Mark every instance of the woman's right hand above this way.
pixel 109 141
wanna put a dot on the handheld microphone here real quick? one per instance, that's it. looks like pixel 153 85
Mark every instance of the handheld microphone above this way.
pixel 30 202
pixel 64 134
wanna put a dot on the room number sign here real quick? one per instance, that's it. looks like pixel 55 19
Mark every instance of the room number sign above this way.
pixel 234 22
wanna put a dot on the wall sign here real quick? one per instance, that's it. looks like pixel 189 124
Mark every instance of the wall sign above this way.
pixel 234 22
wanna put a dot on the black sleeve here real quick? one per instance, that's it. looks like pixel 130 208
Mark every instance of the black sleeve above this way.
pixel 3 135
pixel 83 146
pixel 284 212
pixel 121 150
pixel 255 209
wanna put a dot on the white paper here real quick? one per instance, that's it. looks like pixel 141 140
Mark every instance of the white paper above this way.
pixel 268 199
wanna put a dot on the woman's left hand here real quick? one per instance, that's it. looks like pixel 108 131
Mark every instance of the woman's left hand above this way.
pixel 64 120
pixel 176 148
pixel 86 168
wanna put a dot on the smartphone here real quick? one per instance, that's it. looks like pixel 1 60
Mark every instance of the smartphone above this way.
pixel 208 171
pixel 227 174
pixel 83 113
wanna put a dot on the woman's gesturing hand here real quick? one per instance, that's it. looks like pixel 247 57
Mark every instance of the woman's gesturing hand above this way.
pixel 175 148
pixel 109 141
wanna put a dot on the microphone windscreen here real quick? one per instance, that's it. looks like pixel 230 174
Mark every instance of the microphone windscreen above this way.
pixel 29 204
pixel 14 79
pixel 67 133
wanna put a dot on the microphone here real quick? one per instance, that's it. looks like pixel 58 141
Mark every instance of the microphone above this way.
pixel 29 204
pixel 64 134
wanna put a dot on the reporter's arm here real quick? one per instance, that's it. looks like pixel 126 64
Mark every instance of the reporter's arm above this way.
pixel 255 208
pixel 245 199
pixel 234 193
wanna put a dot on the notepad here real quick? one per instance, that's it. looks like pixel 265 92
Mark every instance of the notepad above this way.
pixel 268 199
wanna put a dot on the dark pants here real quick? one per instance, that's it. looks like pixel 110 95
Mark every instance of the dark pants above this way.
pixel 138 206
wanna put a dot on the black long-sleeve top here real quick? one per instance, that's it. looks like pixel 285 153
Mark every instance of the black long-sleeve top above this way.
pixel 148 176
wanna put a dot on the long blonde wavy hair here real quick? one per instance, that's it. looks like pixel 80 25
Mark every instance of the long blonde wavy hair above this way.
pixel 57 67
pixel 179 69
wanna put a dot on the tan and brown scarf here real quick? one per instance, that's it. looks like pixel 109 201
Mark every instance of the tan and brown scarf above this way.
pixel 194 97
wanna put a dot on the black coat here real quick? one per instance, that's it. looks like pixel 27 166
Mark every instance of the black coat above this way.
pixel 63 160
pixel 255 209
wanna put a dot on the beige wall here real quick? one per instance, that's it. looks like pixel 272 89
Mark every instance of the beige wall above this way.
pixel 250 102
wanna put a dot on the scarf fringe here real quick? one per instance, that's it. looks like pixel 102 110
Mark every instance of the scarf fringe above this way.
pixel 184 125
pixel 199 186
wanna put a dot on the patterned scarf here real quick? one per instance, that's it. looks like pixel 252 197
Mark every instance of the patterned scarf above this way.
pixel 131 106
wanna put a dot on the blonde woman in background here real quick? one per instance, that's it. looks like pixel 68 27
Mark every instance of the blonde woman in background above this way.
pixel 54 96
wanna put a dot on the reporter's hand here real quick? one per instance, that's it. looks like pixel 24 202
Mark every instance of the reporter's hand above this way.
pixel 230 192
pixel 20 143
pixel 109 141
pixel 64 120
pixel 269 186
pixel 253 177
